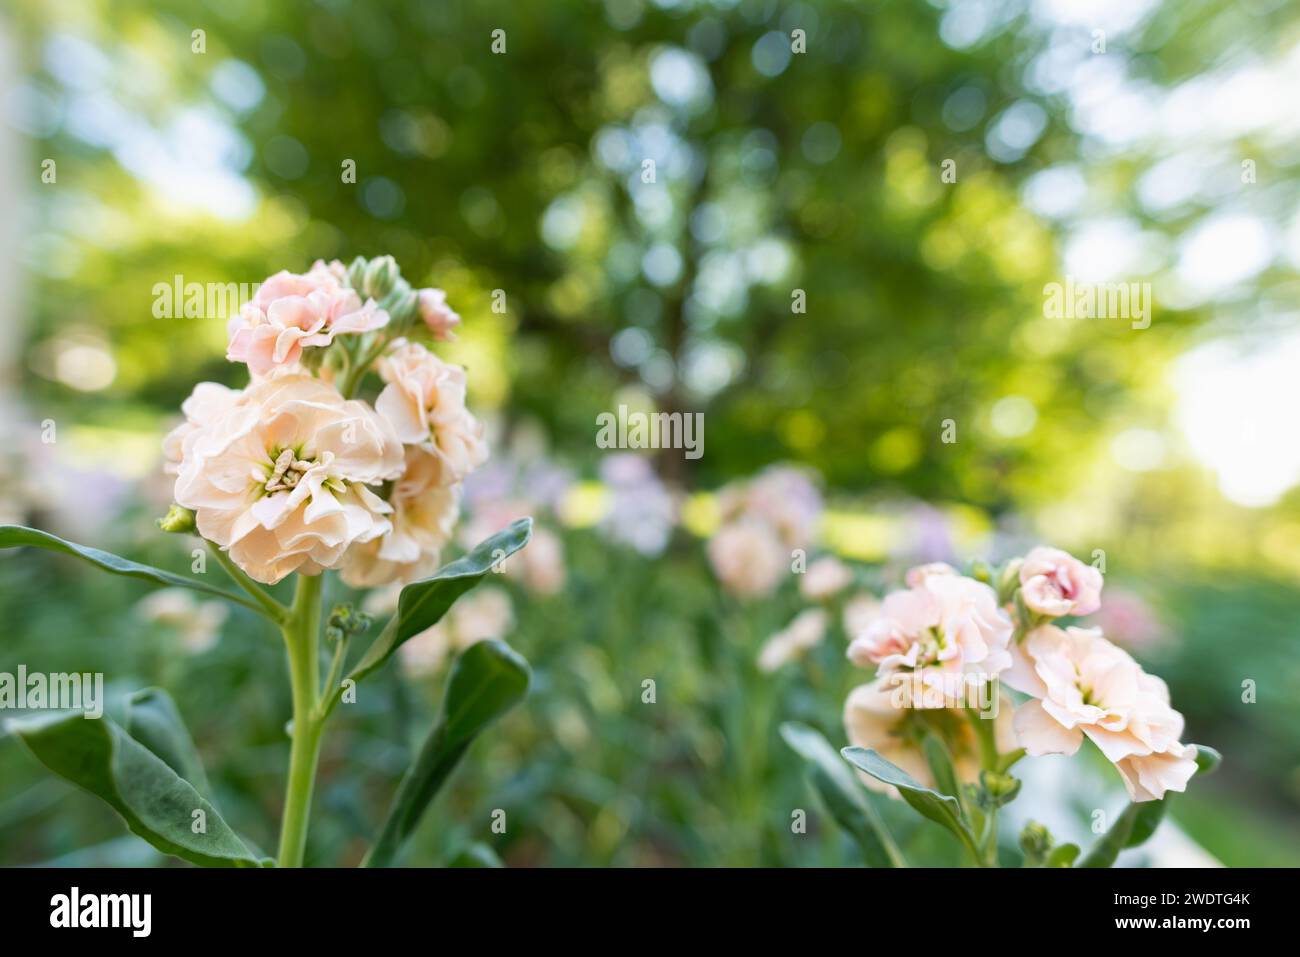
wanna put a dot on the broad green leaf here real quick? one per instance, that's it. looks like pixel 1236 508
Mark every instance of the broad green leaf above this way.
pixel 422 604
pixel 486 681
pixel 16 536
pixel 1062 855
pixel 927 802
pixel 476 855
pixel 152 719
pixel 843 796
pixel 156 803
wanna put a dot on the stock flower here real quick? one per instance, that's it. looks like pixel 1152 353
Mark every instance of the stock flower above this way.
pixel 1054 583
pixel 1083 684
pixel 825 578
pixel 437 315
pixel 279 479
pixel 291 311
pixel 791 642
pixel 748 557
pixel 883 716
pixel 208 402
pixel 424 399
pixel 783 496
pixel 425 508
pixel 916 576
pixel 945 626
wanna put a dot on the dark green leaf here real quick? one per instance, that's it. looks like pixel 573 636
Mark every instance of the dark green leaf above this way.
pixel 843 796
pixel 486 681
pixel 155 802
pixel 16 536
pixel 927 802
pixel 152 719
pixel 422 604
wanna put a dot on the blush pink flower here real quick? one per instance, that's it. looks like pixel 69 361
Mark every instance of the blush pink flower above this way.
pixel 1054 583
pixel 1085 685
pixel 208 402
pixel 291 311
pixel 424 399
pixel 945 625
pixel 437 315
pixel 425 509
pixel 748 557
pixel 280 479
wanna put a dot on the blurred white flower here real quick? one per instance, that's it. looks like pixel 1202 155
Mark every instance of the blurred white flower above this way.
pixel 197 623
pixel 792 642
pixel 825 578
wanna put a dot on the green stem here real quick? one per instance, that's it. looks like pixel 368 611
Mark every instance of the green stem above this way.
pixel 354 375
pixel 264 603
pixel 329 689
pixel 302 635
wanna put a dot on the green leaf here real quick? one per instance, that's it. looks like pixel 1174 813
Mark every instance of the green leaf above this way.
pixel 1062 856
pixel 156 803
pixel 476 855
pixel 927 802
pixel 422 604
pixel 152 719
pixel 843 796
pixel 16 536
pixel 1108 846
pixel 486 681
pixel 940 761
pixel 1146 819
pixel 1207 759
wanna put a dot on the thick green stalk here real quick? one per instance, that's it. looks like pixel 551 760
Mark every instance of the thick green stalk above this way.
pixel 302 636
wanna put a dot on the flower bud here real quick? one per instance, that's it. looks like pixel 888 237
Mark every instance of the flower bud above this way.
pixel 1008 580
pixel 177 519
pixel 1036 841
pixel 998 789
pixel 381 273
pixel 356 275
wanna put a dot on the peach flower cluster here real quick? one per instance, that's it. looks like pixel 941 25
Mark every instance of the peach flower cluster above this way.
pixel 293 475
pixel 1083 685
pixel 945 628
pixel 290 312
pixel 763 522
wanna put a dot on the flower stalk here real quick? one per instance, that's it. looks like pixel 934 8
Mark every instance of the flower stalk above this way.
pixel 302 640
